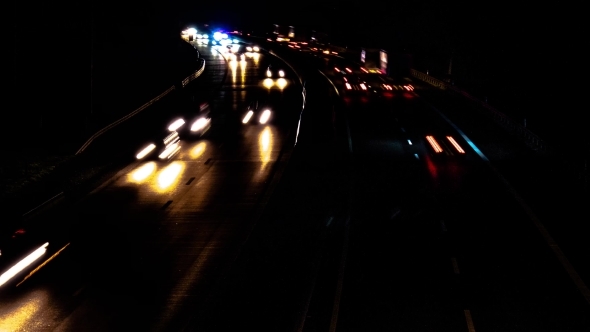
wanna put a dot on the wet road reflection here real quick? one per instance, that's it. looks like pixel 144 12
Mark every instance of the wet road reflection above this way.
pixel 155 237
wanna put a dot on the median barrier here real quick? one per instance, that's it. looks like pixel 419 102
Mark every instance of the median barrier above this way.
pixel 185 82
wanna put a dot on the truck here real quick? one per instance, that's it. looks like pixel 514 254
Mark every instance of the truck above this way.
pixel 394 64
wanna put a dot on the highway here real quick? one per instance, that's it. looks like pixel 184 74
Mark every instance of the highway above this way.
pixel 153 237
pixel 384 216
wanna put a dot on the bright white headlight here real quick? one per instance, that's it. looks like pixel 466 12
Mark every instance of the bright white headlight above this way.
pixel 145 151
pixel 200 124
pixel 176 124
pixel 264 116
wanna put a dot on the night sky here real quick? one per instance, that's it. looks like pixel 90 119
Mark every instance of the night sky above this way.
pixel 525 60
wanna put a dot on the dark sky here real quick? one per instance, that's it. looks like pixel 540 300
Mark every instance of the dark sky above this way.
pixel 522 52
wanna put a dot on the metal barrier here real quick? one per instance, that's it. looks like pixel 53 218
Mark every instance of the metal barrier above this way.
pixel 530 138
pixel 185 82
pixel 196 74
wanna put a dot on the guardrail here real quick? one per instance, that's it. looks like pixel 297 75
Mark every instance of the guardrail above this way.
pixel 185 82
pixel 506 122
pixel 196 74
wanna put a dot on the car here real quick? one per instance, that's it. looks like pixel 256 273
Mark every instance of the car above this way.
pixel 163 148
pixel 354 85
pixel 252 48
pixel 342 69
pixel 196 127
pixel 380 85
pixel 272 72
pixel 23 251
pixel 257 113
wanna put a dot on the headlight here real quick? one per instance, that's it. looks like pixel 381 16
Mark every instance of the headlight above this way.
pixel 200 124
pixel 247 117
pixel 176 124
pixel 22 264
pixel 264 116
pixel 145 151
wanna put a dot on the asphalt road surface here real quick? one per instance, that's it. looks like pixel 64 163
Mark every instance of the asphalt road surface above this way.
pixel 384 216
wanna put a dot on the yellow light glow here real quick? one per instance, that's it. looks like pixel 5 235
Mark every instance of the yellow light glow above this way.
pixel 169 176
pixel 176 124
pixel 268 73
pixel 247 117
pixel 234 69
pixel 243 72
pixel 18 318
pixel 268 83
pixel 254 56
pixel 281 83
pixel 198 150
pixel 265 146
pixel 141 173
